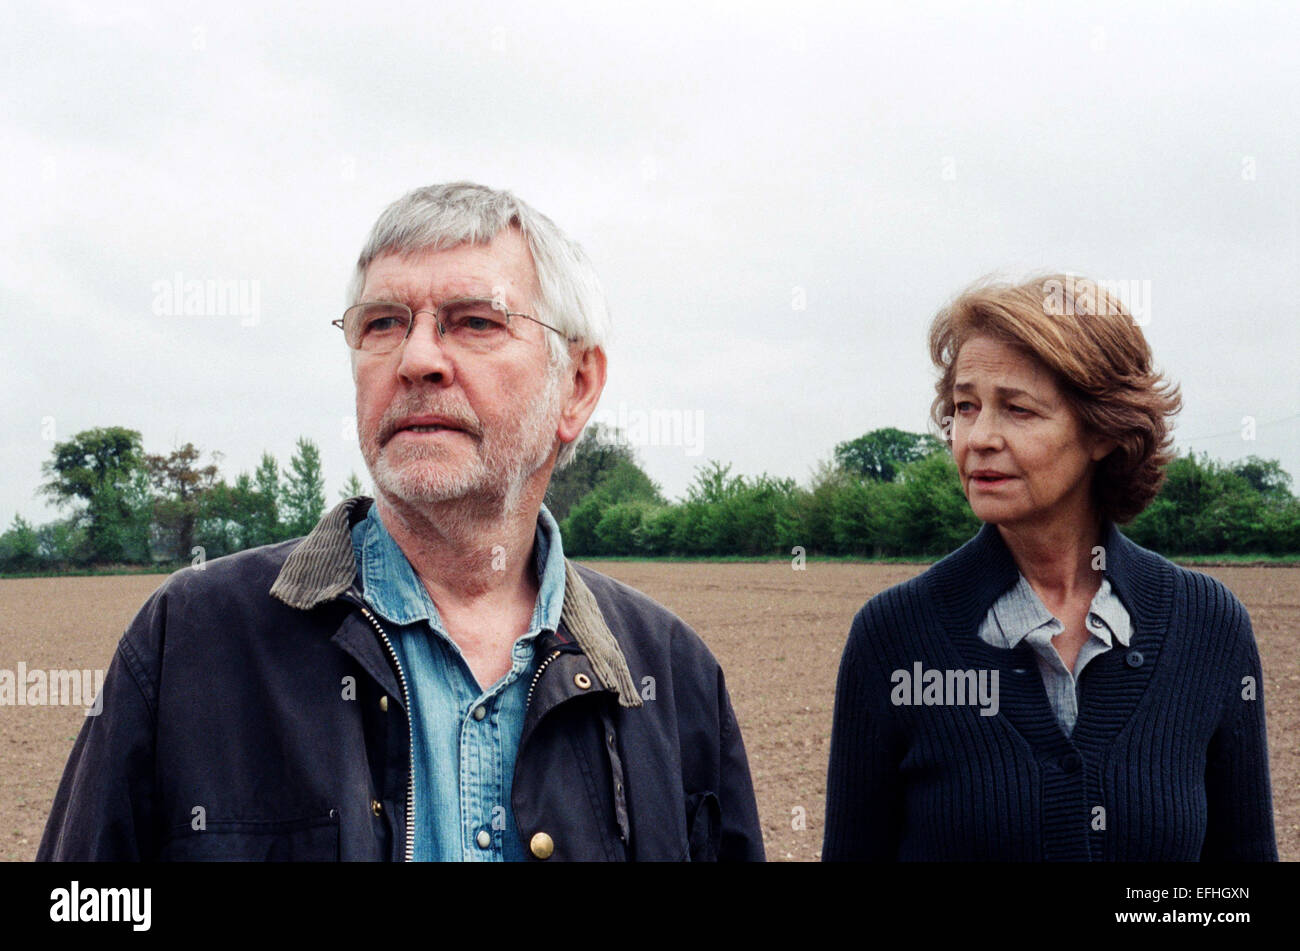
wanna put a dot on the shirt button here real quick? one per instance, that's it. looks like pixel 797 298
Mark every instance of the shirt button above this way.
pixel 484 839
pixel 1094 620
pixel 541 845
pixel 1133 659
pixel 480 713
pixel 383 704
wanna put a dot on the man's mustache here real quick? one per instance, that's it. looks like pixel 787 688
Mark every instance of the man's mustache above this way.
pixel 459 417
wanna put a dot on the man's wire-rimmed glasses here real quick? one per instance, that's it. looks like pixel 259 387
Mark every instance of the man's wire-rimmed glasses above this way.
pixel 468 324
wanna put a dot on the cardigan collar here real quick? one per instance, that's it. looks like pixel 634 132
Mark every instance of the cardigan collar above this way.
pixel 973 577
pixel 965 585
pixel 322 567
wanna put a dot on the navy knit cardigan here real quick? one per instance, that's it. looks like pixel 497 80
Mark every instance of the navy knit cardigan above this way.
pixel 1168 760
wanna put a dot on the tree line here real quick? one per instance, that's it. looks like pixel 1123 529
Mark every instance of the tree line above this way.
pixel 126 506
pixel 886 493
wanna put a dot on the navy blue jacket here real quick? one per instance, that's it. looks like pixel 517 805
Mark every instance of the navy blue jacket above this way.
pixel 253 711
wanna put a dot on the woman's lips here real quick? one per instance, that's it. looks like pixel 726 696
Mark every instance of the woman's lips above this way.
pixel 990 480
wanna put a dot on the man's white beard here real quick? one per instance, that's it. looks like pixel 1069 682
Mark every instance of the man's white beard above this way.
pixel 496 474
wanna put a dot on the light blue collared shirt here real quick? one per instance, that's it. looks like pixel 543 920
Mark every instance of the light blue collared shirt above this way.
pixel 465 737
pixel 1020 614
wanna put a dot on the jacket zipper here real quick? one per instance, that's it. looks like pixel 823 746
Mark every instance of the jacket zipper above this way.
pixel 538 676
pixel 406 700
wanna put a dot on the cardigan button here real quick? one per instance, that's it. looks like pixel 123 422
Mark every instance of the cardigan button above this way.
pixel 1070 763
pixel 1133 658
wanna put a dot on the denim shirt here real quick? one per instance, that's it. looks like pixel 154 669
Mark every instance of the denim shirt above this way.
pixel 1021 614
pixel 464 737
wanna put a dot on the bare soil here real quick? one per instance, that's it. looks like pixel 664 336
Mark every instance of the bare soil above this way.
pixel 777 632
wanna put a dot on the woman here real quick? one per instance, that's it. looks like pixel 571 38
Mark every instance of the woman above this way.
pixel 1050 691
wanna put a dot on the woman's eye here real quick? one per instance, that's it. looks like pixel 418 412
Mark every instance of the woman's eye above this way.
pixel 964 406
pixel 1020 410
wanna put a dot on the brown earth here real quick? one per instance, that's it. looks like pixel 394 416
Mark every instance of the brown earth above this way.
pixel 777 632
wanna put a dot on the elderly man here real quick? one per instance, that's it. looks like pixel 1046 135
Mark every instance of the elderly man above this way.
pixel 424 676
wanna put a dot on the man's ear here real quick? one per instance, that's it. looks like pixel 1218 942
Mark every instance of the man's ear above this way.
pixel 587 374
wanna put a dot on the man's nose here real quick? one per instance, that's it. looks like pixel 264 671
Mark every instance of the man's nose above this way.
pixel 423 354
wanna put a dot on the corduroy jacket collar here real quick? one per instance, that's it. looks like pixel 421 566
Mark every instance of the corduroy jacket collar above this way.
pixel 322 567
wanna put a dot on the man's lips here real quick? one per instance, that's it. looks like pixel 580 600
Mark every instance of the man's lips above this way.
pixel 425 426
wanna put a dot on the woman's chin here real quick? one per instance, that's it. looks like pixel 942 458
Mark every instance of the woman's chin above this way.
pixel 995 513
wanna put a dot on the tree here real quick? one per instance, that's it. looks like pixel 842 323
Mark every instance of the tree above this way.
pixel 352 488
pixel 62 542
pixel 182 486
pixel 19 547
pixel 264 519
pixel 1265 476
pixel 882 453
pixel 1205 507
pixel 601 459
pixel 227 517
pixel 304 493
pixel 104 468
pixel 933 514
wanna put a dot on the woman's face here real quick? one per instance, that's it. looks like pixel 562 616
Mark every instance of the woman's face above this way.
pixel 1023 456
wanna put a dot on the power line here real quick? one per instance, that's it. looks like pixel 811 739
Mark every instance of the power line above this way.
pixel 1237 431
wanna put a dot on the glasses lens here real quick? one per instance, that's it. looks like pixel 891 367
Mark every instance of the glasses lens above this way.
pixel 376 326
pixel 476 325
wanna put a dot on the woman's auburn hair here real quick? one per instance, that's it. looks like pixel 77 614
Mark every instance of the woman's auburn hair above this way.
pixel 1085 336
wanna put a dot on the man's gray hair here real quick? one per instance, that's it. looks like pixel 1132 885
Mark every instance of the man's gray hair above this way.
pixel 445 216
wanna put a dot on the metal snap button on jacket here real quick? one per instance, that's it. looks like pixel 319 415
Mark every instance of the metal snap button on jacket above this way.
pixel 484 838
pixel 1133 658
pixel 383 703
pixel 582 680
pixel 376 806
pixel 480 713
pixel 541 845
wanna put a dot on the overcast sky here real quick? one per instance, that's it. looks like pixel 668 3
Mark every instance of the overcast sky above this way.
pixel 777 201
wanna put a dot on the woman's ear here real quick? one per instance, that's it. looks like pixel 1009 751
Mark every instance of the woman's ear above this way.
pixel 1101 448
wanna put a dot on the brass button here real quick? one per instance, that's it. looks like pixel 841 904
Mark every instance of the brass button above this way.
pixel 541 845
pixel 582 680
pixel 376 807
pixel 383 703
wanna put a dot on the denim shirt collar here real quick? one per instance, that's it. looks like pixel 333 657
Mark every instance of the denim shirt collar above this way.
pixel 322 567
pixel 393 589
